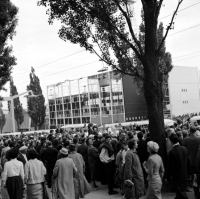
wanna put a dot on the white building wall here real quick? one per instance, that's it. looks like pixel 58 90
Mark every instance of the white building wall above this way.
pixel 184 90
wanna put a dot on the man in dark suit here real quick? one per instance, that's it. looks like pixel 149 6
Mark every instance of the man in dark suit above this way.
pixel 177 167
pixel 192 144
pixel 22 154
pixel 49 158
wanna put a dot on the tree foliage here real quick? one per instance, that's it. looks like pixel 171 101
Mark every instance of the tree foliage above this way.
pixel 108 25
pixel 8 22
pixel 18 109
pixel 36 105
pixel 165 59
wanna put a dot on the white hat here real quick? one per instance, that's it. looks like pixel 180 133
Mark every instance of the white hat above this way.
pixel 23 148
pixel 64 151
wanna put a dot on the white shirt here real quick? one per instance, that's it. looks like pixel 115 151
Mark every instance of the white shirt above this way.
pixel 13 168
pixel 104 156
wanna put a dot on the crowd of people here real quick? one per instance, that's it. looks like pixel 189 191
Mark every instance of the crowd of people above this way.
pixel 70 163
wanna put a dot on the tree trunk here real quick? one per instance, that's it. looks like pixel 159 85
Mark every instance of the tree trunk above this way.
pixel 152 75
pixel 18 126
pixel 154 100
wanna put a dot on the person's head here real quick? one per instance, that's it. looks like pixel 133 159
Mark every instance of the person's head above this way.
pixel 95 128
pixel 108 139
pixel 122 136
pixel 75 140
pixel 193 129
pixel 13 153
pixel 32 154
pixel 185 133
pixel 55 142
pixel 6 143
pixel 179 134
pixel 33 144
pixel 23 149
pixel 66 144
pixel 132 144
pixel 170 131
pixel 72 147
pixel 49 144
pixel 152 147
pixel 124 146
pixel 51 131
pixel 173 138
pixel 89 141
pixel 130 135
pixel 11 144
pixel 64 152
pixel 140 135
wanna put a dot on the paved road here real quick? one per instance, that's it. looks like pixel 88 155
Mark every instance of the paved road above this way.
pixel 102 194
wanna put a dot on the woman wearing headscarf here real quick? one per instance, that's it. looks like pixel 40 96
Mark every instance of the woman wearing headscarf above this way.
pixel 133 169
pixel 13 176
pixel 34 176
pixel 155 170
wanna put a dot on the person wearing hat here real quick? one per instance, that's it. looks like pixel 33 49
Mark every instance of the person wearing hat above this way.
pixel 107 158
pixel 22 154
pixel 155 170
pixel 80 165
pixel 63 185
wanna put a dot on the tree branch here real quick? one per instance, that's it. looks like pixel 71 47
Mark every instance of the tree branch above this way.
pixel 130 27
pixel 170 25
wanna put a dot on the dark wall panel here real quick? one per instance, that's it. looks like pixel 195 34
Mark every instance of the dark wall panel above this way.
pixel 135 105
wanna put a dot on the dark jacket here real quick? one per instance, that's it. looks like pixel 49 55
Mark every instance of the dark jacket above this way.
pixel 192 144
pixel 83 150
pixel 93 155
pixel 177 164
pixel 49 158
pixel 21 158
pixel 142 150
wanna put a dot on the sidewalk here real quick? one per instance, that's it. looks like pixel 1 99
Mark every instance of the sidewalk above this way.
pixel 102 193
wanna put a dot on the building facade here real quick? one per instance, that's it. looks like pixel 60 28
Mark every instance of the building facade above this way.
pixel 184 90
pixel 101 99
pixel 108 98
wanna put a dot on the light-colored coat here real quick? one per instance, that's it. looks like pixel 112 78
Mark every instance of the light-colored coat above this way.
pixel 133 171
pixel 80 164
pixel 63 171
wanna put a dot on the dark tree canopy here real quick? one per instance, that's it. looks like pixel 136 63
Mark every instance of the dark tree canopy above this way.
pixel 36 105
pixel 108 26
pixel 18 109
pixel 8 22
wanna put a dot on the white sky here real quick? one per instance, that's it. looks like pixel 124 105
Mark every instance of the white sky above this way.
pixel 37 43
